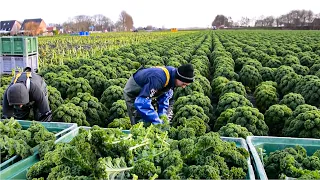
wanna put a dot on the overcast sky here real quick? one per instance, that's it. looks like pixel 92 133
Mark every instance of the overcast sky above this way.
pixel 167 13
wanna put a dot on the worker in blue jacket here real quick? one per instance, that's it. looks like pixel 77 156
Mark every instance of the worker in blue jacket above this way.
pixel 156 83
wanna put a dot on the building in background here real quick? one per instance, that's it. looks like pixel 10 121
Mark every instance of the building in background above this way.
pixel 10 27
pixel 315 24
pixel 33 27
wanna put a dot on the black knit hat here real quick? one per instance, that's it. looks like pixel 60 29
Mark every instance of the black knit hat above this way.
pixel 18 94
pixel 185 73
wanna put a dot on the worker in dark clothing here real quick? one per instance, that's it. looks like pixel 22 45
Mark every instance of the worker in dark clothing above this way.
pixel 26 91
pixel 155 83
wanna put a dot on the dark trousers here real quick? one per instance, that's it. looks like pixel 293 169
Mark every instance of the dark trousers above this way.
pixel 130 92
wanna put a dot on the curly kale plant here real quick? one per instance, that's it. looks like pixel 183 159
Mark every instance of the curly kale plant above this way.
pixel 195 99
pixel 266 95
pixel 115 82
pixel 79 85
pixel 250 118
pixel 97 82
pixel 217 85
pixel 205 84
pixel 234 130
pixel 292 162
pixel 234 86
pixel 117 110
pixel 250 76
pixel 231 100
pixel 82 71
pixel 290 60
pixel 301 70
pixel 54 97
pixel 123 123
pixel 93 109
pixel 292 100
pixel 223 119
pixel 188 111
pixel 70 113
pixel 193 87
pixel 288 82
pixel 105 154
pixel 305 125
pixel 111 95
pixel 61 84
pixel 16 141
pixel 253 62
pixel 275 118
pixel 311 92
pixel 188 128
pixel 299 88
pixel 281 72
pixel 267 74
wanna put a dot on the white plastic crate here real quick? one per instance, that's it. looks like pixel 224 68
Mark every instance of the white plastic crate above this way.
pixel 8 63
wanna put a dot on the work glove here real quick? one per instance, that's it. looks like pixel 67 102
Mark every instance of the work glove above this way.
pixel 158 121
pixel 147 124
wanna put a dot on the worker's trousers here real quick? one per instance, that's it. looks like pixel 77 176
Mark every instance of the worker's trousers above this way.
pixel 131 91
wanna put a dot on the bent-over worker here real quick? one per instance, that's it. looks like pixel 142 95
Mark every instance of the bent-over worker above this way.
pixel 155 83
pixel 26 91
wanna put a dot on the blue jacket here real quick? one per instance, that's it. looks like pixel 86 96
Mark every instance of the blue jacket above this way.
pixel 152 81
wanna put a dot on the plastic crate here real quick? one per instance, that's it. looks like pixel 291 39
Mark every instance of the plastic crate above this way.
pixel 16 63
pixel 59 129
pixel 270 144
pixel 18 45
pixel 19 171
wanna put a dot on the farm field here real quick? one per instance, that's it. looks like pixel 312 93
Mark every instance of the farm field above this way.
pixel 58 48
pixel 262 83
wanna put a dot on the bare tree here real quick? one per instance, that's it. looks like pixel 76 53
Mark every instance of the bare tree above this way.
pixel 277 21
pixel 149 27
pixel 83 22
pixel 119 26
pixel 125 22
pixel 268 21
pixel 98 22
pixel 220 20
pixel 107 24
pixel 236 24
pixel 258 23
pixel 310 16
pixel 230 21
pixel 244 21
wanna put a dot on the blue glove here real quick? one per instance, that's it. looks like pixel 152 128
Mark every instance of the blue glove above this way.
pixel 157 122
pixel 146 110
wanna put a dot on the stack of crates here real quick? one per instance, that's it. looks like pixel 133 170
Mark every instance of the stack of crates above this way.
pixel 18 52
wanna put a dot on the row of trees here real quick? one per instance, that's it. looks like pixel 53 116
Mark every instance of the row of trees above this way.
pixel 99 22
pixel 295 18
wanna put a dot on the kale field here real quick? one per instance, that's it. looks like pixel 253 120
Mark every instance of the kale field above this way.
pixel 261 83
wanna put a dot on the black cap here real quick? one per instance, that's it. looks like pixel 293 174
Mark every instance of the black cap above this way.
pixel 185 73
